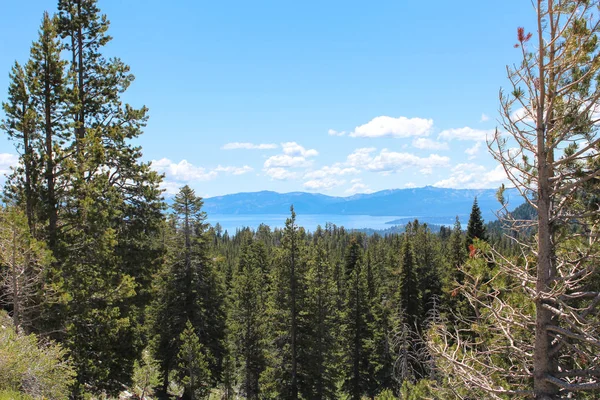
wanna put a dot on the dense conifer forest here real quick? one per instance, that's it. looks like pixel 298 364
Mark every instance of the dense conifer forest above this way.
pixel 106 291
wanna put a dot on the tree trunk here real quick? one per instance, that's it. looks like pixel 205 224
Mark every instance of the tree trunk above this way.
pixel 15 281
pixel 81 93
pixel 52 206
pixel 356 367
pixel 294 383
pixel 543 364
pixel 27 158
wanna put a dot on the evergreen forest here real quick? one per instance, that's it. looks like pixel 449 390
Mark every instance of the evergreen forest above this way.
pixel 108 291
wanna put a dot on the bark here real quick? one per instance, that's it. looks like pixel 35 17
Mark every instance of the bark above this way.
pixel 50 179
pixel 15 282
pixel 28 169
pixel 294 383
pixel 543 363
pixel 356 366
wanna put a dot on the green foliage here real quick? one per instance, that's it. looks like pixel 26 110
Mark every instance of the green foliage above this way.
pixel 24 262
pixel 475 228
pixel 356 329
pixel 422 390
pixel 287 325
pixel 85 192
pixel 408 292
pixel 36 369
pixel 187 289
pixel 386 395
pixel 12 395
pixel 192 366
pixel 246 323
pixel 323 317
pixel 146 375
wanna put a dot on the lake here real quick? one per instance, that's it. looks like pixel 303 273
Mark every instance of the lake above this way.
pixel 231 222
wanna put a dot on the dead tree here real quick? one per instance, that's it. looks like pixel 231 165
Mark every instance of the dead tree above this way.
pixel 538 333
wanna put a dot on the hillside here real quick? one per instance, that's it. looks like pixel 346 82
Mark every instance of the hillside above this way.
pixel 425 202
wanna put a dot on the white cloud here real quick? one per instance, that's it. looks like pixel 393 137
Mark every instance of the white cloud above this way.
pixel 327 177
pixel 280 174
pixel 410 185
pixel 387 161
pixel 294 156
pixel 474 176
pixel 183 171
pixel 522 115
pixel 323 184
pixel 334 170
pixel 286 160
pixel 7 160
pixel 360 157
pixel 391 161
pixel 171 187
pixel 466 133
pixel 235 170
pixel 472 151
pixel 400 127
pixel 484 118
pixel 425 143
pixel 333 132
pixel 594 111
pixel 294 149
pixel 249 146
pixel 358 187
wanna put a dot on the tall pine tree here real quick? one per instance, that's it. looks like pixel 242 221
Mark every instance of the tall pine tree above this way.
pixel 188 289
pixel 246 322
pixel 86 192
pixel 322 315
pixel 476 227
pixel 356 329
pixel 282 378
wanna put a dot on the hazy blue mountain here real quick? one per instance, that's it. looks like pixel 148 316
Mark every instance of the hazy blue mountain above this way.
pixel 430 202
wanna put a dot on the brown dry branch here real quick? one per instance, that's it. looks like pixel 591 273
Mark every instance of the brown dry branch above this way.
pixel 535 330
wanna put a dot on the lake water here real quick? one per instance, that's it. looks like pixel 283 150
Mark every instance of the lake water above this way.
pixel 231 222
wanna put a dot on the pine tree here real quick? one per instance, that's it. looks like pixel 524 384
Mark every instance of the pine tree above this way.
pixel 476 227
pixel 454 302
pixel 24 262
pixel 456 254
pixel 428 269
pixel 192 366
pixel 379 320
pixel 146 375
pixel 322 316
pixel 48 93
pixel 104 214
pixel 408 291
pixel 20 125
pixel 188 289
pixel 356 381
pixel 246 323
pixel 537 333
pixel 287 295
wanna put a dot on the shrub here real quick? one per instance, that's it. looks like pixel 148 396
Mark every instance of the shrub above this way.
pixel 32 367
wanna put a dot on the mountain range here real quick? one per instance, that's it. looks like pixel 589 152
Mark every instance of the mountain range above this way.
pixel 430 202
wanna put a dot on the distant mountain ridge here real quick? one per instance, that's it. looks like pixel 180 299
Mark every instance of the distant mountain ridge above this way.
pixel 427 201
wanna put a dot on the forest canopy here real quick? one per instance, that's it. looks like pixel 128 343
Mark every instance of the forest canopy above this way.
pixel 108 291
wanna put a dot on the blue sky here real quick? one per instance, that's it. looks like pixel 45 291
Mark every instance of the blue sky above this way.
pixel 337 97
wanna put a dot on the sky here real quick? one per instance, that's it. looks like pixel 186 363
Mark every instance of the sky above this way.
pixel 334 97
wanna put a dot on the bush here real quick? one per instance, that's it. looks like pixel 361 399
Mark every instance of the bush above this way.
pixel 12 395
pixel 27 366
pixel 386 395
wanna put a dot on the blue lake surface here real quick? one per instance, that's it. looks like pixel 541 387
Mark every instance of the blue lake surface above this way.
pixel 232 222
